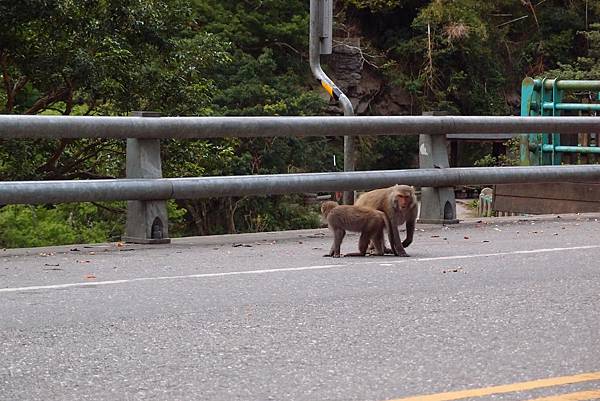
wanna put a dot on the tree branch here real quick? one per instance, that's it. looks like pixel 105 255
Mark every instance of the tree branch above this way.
pixel 11 88
pixel 52 97
pixel 50 164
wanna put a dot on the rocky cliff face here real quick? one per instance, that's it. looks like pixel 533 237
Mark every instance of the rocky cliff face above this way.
pixel 366 88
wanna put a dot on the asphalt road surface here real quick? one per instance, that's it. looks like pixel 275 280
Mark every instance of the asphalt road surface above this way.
pixel 503 309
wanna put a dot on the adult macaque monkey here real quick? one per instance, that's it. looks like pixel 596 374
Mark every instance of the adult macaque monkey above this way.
pixel 370 223
pixel 399 203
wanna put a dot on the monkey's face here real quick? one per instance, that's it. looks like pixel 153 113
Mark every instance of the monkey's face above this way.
pixel 404 200
pixel 326 207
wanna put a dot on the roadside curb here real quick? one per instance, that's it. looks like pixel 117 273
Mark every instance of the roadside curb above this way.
pixel 274 236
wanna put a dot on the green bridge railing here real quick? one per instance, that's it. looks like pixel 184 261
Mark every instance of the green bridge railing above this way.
pixel 544 97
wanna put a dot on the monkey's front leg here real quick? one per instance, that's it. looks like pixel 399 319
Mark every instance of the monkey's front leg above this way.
pixel 338 237
pixel 397 242
pixel 410 230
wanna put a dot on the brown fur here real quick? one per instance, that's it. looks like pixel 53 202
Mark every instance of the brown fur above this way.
pixel 399 203
pixel 370 223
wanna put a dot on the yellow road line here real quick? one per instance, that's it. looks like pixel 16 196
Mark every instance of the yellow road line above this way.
pixel 579 396
pixel 507 388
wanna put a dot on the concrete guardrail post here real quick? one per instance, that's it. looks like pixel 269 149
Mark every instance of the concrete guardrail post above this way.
pixel 438 205
pixel 147 221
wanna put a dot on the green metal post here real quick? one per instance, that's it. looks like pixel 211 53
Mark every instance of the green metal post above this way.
pixel 527 90
pixel 545 158
pixel 557 95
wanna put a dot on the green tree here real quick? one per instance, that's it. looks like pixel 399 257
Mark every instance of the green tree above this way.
pixel 586 66
pixel 267 75
pixel 97 58
pixel 204 58
pixel 56 225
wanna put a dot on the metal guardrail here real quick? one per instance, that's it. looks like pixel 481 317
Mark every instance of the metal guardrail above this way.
pixel 146 191
pixel 41 192
pixel 251 127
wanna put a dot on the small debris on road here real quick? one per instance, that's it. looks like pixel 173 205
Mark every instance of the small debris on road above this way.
pixel 317 235
pixel 243 245
pixel 90 276
pixel 456 270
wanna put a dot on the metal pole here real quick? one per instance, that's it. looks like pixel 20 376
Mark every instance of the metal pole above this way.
pixel 571 149
pixel 567 84
pixel 315 50
pixel 572 106
pixel 41 192
pixel 40 126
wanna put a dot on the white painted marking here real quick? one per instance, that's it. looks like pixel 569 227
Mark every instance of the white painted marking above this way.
pixel 133 280
pixel 574 248
pixel 288 269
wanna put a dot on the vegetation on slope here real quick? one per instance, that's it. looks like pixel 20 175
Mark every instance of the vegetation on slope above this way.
pixel 211 58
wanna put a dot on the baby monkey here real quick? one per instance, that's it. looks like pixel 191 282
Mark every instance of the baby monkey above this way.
pixel 370 223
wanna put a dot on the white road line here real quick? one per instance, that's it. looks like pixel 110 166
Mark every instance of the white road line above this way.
pixel 133 280
pixel 288 269
pixel 543 250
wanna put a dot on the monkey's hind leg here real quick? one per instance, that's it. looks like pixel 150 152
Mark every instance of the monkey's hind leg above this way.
pixel 363 244
pixel 378 244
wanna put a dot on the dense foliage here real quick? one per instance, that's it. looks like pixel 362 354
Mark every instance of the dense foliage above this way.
pixel 209 58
